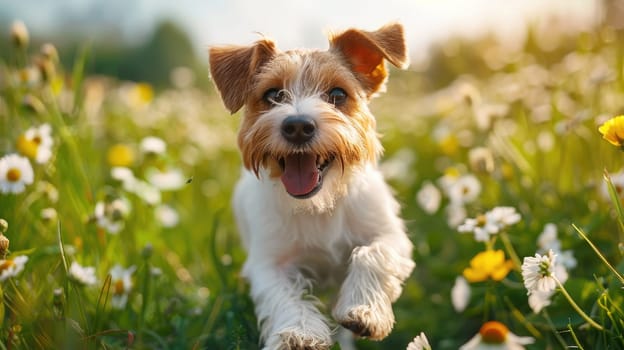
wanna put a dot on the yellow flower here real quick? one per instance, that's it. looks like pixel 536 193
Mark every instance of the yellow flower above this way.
pixel 490 264
pixel 140 95
pixel 120 155
pixel 449 145
pixel 613 130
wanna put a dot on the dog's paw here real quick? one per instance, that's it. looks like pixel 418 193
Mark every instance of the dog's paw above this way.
pixel 297 339
pixel 368 322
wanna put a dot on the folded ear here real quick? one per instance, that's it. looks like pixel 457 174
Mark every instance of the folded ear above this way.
pixel 232 68
pixel 366 51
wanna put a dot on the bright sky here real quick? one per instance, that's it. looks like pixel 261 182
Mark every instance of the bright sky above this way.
pixel 294 23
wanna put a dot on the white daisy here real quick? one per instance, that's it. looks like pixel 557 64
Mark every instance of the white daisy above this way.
pixel 149 193
pixel 490 223
pixel 82 275
pixel 482 226
pixel 121 282
pixel 548 238
pixel 494 335
pixel 420 342
pixel 15 173
pixel 429 198
pixel 455 214
pixel 538 273
pixel 504 216
pixel 539 300
pixel 153 145
pixel 125 176
pixel 166 215
pixel 464 190
pixel 36 143
pixel 166 180
pixel 110 216
pixel 566 258
pixel 48 214
pixel 460 294
pixel 12 267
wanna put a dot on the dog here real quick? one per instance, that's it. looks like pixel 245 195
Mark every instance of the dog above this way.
pixel 311 206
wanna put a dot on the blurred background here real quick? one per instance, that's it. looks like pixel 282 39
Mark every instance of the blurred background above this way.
pixel 144 40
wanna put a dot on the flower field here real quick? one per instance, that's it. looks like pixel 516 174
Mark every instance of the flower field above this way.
pixel 117 231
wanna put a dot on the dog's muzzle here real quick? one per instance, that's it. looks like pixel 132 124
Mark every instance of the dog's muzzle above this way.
pixel 302 172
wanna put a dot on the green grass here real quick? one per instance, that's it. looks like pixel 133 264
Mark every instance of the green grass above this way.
pixel 548 159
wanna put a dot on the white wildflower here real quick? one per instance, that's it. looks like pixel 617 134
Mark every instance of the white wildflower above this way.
pixel 15 173
pixel 429 198
pixel 538 273
pixel 494 335
pixel 166 215
pixel 153 145
pixel 121 282
pixel 460 294
pixel 420 342
pixel 82 275
pixel 464 190
pixel 12 267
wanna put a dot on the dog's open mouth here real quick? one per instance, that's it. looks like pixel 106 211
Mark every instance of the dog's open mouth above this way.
pixel 302 173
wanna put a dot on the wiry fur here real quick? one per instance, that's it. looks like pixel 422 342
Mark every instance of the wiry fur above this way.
pixel 349 232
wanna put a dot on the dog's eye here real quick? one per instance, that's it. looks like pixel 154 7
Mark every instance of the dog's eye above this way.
pixel 337 96
pixel 273 96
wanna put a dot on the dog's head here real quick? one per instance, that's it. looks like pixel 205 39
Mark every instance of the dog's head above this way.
pixel 306 111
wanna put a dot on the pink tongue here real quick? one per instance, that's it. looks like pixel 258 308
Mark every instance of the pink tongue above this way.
pixel 300 174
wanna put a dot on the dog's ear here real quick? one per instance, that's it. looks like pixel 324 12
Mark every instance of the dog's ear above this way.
pixel 232 68
pixel 365 53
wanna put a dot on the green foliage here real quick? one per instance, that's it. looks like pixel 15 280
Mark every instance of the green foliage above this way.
pixel 535 114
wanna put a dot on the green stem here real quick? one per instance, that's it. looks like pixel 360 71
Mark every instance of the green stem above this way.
pixel 604 260
pixel 510 250
pixel 145 290
pixel 576 307
pixel 576 341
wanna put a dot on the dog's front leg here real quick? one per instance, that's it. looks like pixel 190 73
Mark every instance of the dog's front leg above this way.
pixel 287 314
pixel 373 283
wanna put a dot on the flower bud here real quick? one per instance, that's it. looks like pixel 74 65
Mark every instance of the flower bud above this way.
pixel 147 251
pixel 481 160
pixel 4 246
pixel 19 34
pixel 49 52
pixel 46 68
pixel 33 104
pixel 4 226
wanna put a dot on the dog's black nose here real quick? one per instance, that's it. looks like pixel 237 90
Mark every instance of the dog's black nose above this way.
pixel 298 129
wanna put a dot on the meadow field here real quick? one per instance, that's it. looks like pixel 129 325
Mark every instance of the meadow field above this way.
pixel 117 229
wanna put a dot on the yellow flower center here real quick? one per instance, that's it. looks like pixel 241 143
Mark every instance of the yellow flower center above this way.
pixel 118 287
pixel 449 145
pixel 141 95
pixel 14 175
pixel 493 332
pixel 490 264
pixel 481 220
pixel 28 147
pixel 120 155
pixel 6 264
pixel 24 75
